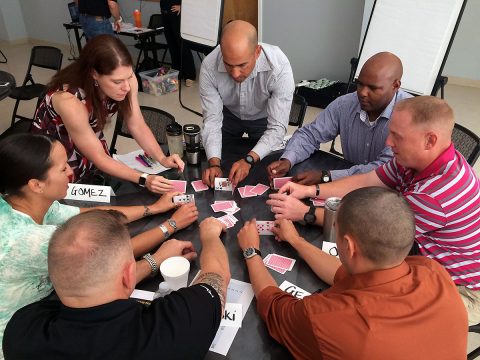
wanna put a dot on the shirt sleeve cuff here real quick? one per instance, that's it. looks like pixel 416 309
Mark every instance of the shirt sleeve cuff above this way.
pixel 261 150
pixel 290 157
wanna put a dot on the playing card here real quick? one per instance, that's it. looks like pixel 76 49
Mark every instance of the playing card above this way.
pixel 281 261
pixel 279 182
pixel 179 185
pixel 264 227
pixel 277 269
pixel 241 191
pixel 183 199
pixel 259 189
pixel 248 191
pixel 198 185
pixel 223 184
pixel 222 206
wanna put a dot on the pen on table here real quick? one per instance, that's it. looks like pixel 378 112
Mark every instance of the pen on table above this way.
pixel 141 161
pixel 152 160
pixel 146 159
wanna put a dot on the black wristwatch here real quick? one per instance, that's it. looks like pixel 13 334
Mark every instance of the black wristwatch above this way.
pixel 310 216
pixel 251 252
pixel 326 177
pixel 143 179
pixel 249 160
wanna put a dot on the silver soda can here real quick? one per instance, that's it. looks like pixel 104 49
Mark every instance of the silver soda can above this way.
pixel 329 218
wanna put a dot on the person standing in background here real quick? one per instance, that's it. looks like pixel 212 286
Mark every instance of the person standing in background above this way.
pixel 95 16
pixel 180 55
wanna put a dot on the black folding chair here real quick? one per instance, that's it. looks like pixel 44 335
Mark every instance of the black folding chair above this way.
pixel 156 119
pixel 467 143
pixel 47 57
pixel 151 46
pixel 297 111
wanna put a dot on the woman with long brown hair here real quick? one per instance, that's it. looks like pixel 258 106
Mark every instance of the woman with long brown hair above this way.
pixel 82 97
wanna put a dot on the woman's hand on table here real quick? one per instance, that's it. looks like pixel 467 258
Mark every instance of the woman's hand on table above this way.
pixel 185 215
pixel 164 203
pixel 174 161
pixel 287 207
pixel 248 235
pixel 158 184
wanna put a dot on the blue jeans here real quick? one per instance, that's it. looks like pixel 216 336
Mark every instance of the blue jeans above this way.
pixel 92 26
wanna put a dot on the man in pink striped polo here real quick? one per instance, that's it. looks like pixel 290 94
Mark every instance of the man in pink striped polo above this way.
pixel 440 186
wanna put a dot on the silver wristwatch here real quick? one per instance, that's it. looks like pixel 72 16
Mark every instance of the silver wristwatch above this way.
pixel 251 252
pixel 166 233
pixel 153 264
pixel 172 223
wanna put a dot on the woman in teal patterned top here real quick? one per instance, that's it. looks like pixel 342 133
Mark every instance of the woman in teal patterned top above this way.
pixel 35 175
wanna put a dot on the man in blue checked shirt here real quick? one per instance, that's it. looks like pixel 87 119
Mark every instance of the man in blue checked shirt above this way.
pixel 361 119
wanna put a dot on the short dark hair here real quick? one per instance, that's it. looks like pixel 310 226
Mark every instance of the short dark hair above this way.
pixel 381 221
pixel 103 53
pixel 86 250
pixel 23 157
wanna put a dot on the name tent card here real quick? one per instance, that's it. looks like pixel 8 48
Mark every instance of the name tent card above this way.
pixel 293 289
pixel 232 315
pixel 84 192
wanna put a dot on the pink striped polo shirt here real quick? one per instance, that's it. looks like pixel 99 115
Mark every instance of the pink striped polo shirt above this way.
pixel 445 198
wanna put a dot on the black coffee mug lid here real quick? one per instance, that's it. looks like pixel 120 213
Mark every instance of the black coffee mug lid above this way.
pixel 191 129
pixel 174 129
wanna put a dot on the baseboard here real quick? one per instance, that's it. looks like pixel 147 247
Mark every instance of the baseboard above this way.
pixel 463 82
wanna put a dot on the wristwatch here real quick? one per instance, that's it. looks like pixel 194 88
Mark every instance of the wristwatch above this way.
pixel 173 224
pixel 142 179
pixel 251 252
pixel 326 176
pixel 310 216
pixel 249 160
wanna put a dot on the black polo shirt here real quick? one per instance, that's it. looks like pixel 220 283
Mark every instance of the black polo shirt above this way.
pixel 180 326
pixel 94 7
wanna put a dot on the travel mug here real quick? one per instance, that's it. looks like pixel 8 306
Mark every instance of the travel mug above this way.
pixel 174 139
pixel 329 218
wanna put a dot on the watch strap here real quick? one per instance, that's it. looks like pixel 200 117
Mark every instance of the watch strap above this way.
pixel 142 180
pixel 166 233
pixel 317 190
pixel 251 252
pixel 310 216
pixel 153 264
pixel 172 223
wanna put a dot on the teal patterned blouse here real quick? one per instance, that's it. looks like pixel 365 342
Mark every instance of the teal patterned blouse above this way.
pixel 23 257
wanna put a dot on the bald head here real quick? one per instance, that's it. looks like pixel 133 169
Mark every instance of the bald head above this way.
pixel 386 64
pixel 86 254
pixel 239 35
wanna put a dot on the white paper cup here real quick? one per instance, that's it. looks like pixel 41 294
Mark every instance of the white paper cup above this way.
pixel 175 272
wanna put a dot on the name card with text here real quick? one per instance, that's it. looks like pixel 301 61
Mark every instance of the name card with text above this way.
pixel 232 315
pixel 86 192
pixel 293 289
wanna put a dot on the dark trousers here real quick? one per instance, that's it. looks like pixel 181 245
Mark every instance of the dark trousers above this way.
pixel 171 22
pixel 234 128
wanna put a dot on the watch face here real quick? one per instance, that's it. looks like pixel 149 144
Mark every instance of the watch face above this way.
pixel 249 159
pixel 326 178
pixel 309 218
pixel 249 252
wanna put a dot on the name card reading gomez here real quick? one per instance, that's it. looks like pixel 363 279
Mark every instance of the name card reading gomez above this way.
pixel 86 192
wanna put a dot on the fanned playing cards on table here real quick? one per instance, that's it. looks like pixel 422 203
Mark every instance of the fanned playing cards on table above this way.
pixel 252 191
pixel 279 263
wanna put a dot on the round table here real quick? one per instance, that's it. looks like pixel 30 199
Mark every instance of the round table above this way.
pixel 7 84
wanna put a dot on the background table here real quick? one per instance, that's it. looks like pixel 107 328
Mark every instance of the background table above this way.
pixel 252 340
pixel 5 90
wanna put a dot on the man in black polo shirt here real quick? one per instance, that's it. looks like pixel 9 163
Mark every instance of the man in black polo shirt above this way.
pixel 95 15
pixel 92 269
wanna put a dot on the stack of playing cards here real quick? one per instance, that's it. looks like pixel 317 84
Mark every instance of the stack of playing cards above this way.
pixel 279 263
pixel 198 185
pixel 251 191
pixel 318 202
pixel 223 184
pixel 229 207
pixel 229 220
pixel 265 227
pixel 279 182
pixel 179 185
pixel 183 199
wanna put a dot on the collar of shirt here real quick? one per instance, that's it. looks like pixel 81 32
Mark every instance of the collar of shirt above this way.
pixel 99 312
pixel 386 113
pixel 436 166
pixel 345 281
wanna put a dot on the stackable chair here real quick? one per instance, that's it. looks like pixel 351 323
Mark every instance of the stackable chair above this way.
pixel 467 143
pixel 297 112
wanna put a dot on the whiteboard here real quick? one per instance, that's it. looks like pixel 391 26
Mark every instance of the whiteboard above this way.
pixel 200 22
pixel 418 32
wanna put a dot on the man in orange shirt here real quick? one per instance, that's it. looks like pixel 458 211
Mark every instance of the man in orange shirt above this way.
pixel 381 304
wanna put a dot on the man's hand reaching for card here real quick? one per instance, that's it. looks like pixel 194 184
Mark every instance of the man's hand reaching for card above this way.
pixel 185 215
pixel 285 230
pixel 248 235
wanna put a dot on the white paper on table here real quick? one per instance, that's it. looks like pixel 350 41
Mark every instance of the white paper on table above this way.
pixel 293 289
pixel 232 315
pixel 238 292
pixel 330 248
pixel 130 161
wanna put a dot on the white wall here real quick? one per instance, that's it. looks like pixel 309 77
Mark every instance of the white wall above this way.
pixel 12 26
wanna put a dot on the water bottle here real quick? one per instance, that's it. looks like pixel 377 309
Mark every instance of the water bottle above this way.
pixel 329 218
pixel 175 139
pixel 137 16
pixel 163 290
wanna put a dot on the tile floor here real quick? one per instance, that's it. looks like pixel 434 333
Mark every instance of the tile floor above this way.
pixel 465 101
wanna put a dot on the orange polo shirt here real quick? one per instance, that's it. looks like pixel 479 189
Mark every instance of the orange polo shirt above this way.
pixel 412 311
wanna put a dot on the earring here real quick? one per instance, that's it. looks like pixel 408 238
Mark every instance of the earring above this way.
pixel 95 82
